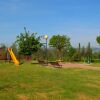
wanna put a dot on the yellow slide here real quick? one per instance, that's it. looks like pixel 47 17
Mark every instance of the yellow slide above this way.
pixel 13 56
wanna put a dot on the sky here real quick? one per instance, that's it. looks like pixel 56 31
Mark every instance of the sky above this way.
pixel 78 19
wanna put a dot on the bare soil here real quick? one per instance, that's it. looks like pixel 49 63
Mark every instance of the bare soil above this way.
pixel 81 66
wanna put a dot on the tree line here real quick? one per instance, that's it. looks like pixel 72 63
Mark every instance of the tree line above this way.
pixel 59 48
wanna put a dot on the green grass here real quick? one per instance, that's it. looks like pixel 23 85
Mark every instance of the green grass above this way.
pixel 34 82
pixel 96 64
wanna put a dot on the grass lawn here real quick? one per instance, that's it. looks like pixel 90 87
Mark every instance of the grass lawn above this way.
pixel 34 82
pixel 96 64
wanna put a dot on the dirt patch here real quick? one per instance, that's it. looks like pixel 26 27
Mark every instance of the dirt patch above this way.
pixel 40 96
pixel 81 66
pixel 22 97
pixel 48 96
pixel 82 96
pixel 97 97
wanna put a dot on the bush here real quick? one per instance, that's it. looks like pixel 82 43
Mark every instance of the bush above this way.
pixel 96 60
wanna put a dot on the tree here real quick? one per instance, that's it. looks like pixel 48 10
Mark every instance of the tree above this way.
pixel 4 48
pixel 89 52
pixel 83 52
pixel 79 51
pixel 77 55
pixel 98 39
pixel 27 43
pixel 69 54
pixel 60 42
pixel 14 48
pixel 3 51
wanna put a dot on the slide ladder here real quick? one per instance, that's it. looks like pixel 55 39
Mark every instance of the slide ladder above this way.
pixel 16 62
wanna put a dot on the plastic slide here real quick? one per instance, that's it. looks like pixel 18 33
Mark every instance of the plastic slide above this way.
pixel 16 62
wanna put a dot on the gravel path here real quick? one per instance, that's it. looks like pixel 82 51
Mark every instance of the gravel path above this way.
pixel 82 66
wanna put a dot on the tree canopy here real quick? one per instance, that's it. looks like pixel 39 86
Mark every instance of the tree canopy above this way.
pixel 27 43
pixel 98 39
pixel 60 42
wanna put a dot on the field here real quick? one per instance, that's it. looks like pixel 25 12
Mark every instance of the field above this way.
pixel 35 82
pixel 96 64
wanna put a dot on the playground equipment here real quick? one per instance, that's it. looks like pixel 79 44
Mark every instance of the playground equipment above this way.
pixel 16 62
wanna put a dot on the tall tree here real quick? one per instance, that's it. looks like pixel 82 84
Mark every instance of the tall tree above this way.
pixel 60 42
pixel 83 52
pixel 89 52
pixel 78 53
pixel 28 43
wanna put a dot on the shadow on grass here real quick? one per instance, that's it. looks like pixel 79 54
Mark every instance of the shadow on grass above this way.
pixel 5 87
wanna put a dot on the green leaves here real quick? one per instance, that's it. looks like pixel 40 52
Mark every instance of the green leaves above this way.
pixel 98 39
pixel 60 42
pixel 27 43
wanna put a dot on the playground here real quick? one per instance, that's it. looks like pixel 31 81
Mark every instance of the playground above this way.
pixel 48 74
pixel 40 80
pixel 36 82
pixel 50 50
pixel 57 64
